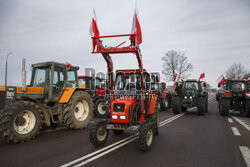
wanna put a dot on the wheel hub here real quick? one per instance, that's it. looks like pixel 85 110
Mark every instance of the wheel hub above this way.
pixel 149 137
pixel 101 133
pixel 81 110
pixel 101 108
pixel 24 122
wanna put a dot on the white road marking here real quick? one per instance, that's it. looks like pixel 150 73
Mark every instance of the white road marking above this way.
pixel 246 154
pixel 241 122
pixel 211 97
pixel 112 147
pixel 235 131
pixel 230 120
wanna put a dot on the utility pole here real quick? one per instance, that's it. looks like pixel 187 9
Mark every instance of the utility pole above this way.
pixel 6 68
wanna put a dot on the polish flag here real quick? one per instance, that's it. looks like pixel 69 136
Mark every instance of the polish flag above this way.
pixel 136 28
pixel 93 30
pixel 175 79
pixel 221 80
pixel 202 76
pixel 247 79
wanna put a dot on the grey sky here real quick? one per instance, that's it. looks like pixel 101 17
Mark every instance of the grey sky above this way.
pixel 213 33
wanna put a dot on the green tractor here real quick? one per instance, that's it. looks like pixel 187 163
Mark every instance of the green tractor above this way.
pixel 190 93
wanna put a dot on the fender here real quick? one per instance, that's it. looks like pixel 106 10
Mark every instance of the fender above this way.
pixel 68 92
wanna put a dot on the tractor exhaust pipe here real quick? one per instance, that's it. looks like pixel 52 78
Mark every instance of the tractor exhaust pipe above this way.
pixel 23 76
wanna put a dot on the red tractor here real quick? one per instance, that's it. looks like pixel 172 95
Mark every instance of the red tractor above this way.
pixel 132 104
pixel 97 86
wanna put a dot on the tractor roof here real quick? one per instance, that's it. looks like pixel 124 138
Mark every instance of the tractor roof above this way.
pixel 50 63
pixel 190 80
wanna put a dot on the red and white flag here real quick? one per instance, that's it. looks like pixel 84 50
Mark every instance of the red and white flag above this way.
pixel 247 79
pixel 221 80
pixel 202 76
pixel 136 28
pixel 93 30
pixel 175 79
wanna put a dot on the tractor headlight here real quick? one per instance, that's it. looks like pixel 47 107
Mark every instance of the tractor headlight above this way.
pixel 191 97
pixel 185 97
pixel 122 117
pixel 114 117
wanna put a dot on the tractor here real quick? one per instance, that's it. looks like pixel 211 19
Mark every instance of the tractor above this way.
pixel 190 93
pixel 98 90
pixel 235 96
pixel 132 104
pixel 52 97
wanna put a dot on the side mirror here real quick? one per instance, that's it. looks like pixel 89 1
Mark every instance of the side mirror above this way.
pixel 218 85
pixel 204 84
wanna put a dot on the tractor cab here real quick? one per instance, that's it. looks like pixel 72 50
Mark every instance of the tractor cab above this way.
pixel 53 78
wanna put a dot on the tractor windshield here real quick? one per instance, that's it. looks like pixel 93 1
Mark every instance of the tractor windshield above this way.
pixel 72 78
pixel 237 86
pixel 191 85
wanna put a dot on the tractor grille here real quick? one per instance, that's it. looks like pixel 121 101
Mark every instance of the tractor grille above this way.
pixel 119 107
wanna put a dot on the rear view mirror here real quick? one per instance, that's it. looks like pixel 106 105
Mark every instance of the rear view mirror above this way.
pixel 218 85
pixel 204 84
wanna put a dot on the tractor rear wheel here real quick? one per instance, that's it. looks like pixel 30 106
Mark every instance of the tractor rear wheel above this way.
pixel 20 122
pixel 201 105
pixel 100 110
pixel 79 111
pixel 224 106
pixel 247 108
pixel 146 135
pixel 98 134
pixel 177 105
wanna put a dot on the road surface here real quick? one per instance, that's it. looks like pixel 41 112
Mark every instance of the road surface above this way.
pixel 187 140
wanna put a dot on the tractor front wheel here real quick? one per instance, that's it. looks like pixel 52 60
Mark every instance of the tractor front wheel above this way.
pixel 177 105
pixel 247 108
pixel 98 134
pixel 202 105
pixel 79 111
pixel 224 106
pixel 20 122
pixel 146 135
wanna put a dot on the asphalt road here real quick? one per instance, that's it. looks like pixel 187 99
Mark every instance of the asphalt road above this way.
pixel 186 139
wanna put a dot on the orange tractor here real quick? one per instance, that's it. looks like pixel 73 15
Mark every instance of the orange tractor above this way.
pixel 53 96
pixel 132 103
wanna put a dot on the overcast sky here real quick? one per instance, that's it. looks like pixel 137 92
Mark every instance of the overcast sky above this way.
pixel 212 33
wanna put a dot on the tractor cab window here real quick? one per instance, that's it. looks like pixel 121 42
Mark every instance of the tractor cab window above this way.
pixel 237 86
pixel 191 85
pixel 71 79
pixel 128 83
pixel 41 77
pixel 96 83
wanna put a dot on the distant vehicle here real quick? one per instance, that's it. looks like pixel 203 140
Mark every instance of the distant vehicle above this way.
pixel 190 93
pixel 235 96
pixel 97 87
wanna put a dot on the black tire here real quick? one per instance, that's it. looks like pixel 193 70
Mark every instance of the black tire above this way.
pixel 98 134
pixel 165 103
pixel 69 115
pixel 144 141
pixel 156 121
pixel 224 106
pixel 99 112
pixel 18 113
pixel 201 107
pixel 247 108
pixel 177 105
pixel 117 132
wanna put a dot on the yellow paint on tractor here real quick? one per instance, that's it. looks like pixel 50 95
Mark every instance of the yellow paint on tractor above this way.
pixel 2 88
pixel 67 95
pixel 30 90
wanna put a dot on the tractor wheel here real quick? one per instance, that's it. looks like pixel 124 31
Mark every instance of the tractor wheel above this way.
pixel 146 135
pixel 156 121
pixel 177 105
pixel 201 105
pixel 117 132
pixel 247 109
pixel 224 106
pixel 79 111
pixel 99 110
pixel 20 122
pixel 98 134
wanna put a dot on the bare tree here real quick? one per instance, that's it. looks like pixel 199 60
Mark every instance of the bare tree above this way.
pixel 175 62
pixel 236 71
